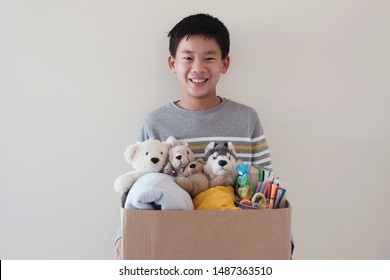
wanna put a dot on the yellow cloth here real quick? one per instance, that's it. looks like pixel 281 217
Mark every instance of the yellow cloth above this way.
pixel 216 198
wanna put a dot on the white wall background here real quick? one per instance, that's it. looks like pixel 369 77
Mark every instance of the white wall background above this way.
pixel 77 77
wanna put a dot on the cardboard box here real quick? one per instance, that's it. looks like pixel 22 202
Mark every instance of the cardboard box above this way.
pixel 207 235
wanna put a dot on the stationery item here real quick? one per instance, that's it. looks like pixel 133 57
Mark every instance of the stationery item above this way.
pixel 265 193
pixel 259 200
pixel 279 197
pixel 245 191
pixel 264 173
pixel 244 186
pixel 267 189
pixel 243 168
pixel 274 190
pixel 258 187
pixel 244 180
pixel 246 201
pixel 262 187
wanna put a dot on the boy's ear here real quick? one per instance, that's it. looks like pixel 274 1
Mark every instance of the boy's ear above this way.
pixel 171 64
pixel 225 64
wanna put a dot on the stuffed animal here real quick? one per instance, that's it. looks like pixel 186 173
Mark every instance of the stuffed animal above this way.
pixel 179 157
pixel 220 166
pixel 145 157
pixel 193 180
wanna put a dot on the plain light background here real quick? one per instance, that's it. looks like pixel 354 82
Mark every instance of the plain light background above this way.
pixel 77 77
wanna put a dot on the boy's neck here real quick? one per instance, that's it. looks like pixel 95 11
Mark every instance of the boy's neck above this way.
pixel 197 104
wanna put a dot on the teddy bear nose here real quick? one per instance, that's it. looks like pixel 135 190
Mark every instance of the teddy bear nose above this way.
pixel 192 165
pixel 222 162
pixel 155 160
pixel 178 157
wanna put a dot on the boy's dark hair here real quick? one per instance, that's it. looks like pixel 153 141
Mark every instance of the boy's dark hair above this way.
pixel 200 24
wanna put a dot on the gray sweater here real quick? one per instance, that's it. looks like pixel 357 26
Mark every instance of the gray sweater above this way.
pixel 229 121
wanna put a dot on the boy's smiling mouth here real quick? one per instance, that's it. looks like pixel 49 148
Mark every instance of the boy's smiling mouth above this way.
pixel 198 81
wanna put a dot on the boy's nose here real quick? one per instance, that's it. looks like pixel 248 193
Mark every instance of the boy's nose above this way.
pixel 198 66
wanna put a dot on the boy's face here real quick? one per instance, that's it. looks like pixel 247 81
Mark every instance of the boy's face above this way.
pixel 198 65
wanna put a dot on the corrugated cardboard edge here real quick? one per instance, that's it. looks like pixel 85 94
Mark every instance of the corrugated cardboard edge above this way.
pixel 207 235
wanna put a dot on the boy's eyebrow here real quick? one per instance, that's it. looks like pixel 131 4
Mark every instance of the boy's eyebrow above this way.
pixel 191 52
pixel 186 51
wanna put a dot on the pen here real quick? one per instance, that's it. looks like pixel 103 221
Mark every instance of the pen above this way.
pixel 274 189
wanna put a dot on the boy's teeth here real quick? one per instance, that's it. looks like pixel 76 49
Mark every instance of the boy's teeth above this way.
pixel 198 80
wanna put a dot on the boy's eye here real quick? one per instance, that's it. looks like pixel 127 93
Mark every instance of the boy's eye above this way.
pixel 210 58
pixel 187 58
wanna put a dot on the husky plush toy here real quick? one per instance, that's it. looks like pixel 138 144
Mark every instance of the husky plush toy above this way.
pixel 220 166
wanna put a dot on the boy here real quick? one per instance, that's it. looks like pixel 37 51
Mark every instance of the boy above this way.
pixel 199 54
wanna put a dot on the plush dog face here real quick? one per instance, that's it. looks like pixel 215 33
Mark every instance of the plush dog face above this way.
pixel 180 155
pixel 220 159
pixel 148 156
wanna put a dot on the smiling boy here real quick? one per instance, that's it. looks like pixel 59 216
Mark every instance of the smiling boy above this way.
pixel 199 54
pixel 199 48
pixel 198 64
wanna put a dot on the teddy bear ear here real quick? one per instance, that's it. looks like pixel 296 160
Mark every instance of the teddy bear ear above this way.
pixel 167 145
pixel 172 141
pixel 210 146
pixel 130 152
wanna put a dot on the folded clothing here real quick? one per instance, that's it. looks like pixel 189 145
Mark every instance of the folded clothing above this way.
pixel 216 198
pixel 157 189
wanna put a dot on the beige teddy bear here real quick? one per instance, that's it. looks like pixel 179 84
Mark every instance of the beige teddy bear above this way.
pixel 193 180
pixel 145 157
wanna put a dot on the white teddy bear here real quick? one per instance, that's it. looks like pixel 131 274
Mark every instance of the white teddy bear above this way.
pixel 145 157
